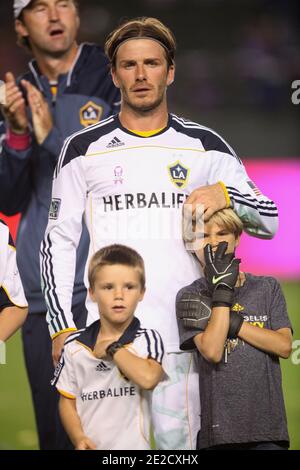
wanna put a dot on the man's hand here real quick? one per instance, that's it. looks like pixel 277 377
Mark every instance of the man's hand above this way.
pixel 85 444
pixel 41 116
pixel 193 310
pixel 57 346
pixel 211 197
pixel 14 109
pixel 221 272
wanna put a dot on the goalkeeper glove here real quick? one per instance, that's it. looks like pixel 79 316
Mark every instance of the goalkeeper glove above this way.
pixel 221 272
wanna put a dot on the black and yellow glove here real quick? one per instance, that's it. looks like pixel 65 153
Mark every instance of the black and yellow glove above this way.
pixel 221 273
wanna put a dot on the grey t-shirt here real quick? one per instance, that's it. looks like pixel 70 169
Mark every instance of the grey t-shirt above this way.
pixel 242 400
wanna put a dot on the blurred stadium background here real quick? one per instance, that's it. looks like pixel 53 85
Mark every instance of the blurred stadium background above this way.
pixel 236 62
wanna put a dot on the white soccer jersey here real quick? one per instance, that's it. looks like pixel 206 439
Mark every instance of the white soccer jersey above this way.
pixel 11 289
pixel 114 412
pixel 131 190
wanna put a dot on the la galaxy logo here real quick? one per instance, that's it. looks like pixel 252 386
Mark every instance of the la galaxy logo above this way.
pixel 179 174
pixel 90 113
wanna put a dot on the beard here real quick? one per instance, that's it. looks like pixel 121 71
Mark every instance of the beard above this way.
pixel 144 107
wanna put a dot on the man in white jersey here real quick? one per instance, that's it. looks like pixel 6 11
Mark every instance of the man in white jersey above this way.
pixel 13 304
pixel 130 176
pixel 106 372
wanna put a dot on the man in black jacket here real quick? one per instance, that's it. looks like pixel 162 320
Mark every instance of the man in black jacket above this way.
pixel 67 87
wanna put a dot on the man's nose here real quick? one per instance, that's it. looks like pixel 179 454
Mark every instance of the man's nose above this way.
pixel 53 13
pixel 140 72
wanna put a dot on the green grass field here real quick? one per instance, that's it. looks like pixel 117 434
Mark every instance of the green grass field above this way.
pixel 17 430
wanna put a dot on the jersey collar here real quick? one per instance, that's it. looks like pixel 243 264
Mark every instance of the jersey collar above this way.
pixel 124 129
pixel 89 336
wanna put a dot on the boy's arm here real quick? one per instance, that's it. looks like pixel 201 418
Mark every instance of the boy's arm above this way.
pixel 273 342
pixel 72 424
pixel 277 339
pixel 211 342
pixel 13 304
pixel 11 319
pixel 146 373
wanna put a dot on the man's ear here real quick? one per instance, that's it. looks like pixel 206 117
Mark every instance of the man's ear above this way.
pixel 171 75
pixel 114 77
pixel 77 22
pixel 21 29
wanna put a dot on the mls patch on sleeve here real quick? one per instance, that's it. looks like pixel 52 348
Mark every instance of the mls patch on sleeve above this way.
pixel 54 208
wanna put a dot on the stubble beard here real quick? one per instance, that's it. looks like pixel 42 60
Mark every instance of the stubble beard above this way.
pixel 144 108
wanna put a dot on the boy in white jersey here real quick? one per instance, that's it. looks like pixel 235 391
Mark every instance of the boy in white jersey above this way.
pixel 106 371
pixel 13 304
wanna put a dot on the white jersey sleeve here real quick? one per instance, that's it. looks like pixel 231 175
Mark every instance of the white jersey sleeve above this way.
pixel 258 213
pixel 148 345
pixel 58 249
pixel 11 289
pixel 64 375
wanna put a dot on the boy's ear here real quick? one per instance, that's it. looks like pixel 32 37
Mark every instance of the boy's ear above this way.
pixel 142 294
pixel 91 292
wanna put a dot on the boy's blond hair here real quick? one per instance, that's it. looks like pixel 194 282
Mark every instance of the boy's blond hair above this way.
pixel 224 218
pixel 144 28
pixel 229 219
pixel 116 254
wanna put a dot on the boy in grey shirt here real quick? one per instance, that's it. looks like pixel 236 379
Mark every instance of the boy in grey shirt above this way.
pixel 239 324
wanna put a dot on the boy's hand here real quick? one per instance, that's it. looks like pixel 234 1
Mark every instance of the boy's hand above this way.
pixel 100 348
pixel 221 272
pixel 85 444
pixel 193 310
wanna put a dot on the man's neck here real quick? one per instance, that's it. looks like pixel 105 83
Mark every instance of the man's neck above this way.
pixel 137 121
pixel 52 67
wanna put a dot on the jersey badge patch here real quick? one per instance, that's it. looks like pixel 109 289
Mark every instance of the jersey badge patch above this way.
pixel 179 174
pixel 118 173
pixel 54 208
pixel 237 308
pixel 90 113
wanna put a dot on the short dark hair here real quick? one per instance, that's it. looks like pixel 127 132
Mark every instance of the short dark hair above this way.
pixel 116 254
pixel 142 27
